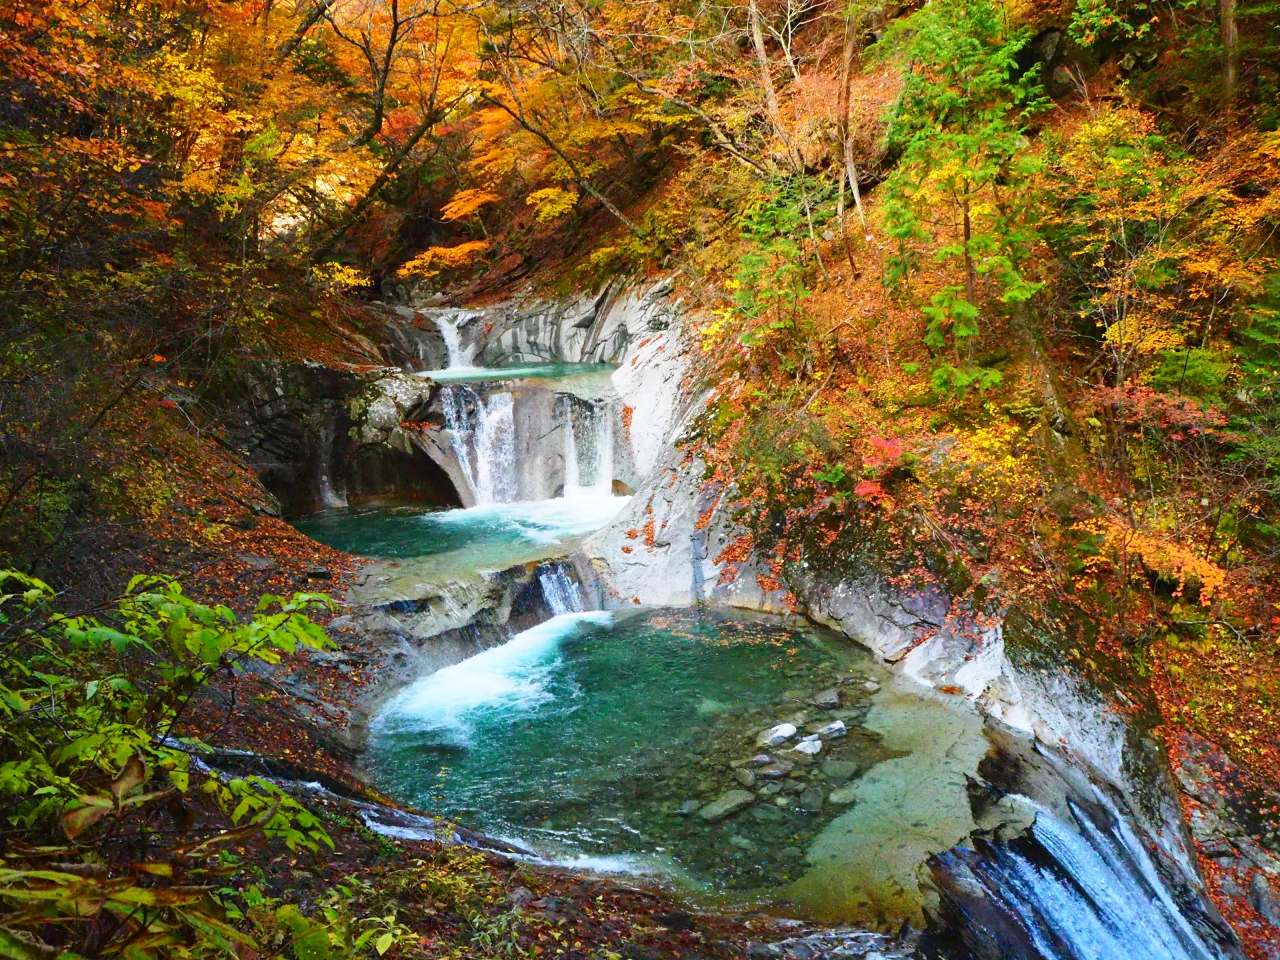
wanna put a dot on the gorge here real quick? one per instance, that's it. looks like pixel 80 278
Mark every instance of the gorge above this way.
pixel 632 711
pixel 597 480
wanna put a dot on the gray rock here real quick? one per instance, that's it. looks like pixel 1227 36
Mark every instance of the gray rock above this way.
pixel 688 807
pixel 833 730
pixel 776 735
pixel 810 748
pixel 769 790
pixel 256 563
pixel 842 795
pixel 827 699
pixel 839 769
pixel 779 768
pixel 726 805
pixel 759 760
pixel 812 799
pixel 745 777
pixel 871 685
pixel 771 814
pixel 1263 899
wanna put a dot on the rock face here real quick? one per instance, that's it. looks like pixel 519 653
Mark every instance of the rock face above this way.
pixel 591 328
pixel 323 437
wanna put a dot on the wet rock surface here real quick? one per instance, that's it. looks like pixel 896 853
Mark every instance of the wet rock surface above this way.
pixel 1235 825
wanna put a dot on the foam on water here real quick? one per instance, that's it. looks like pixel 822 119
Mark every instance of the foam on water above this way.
pixel 531 371
pixel 542 521
pixel 510 679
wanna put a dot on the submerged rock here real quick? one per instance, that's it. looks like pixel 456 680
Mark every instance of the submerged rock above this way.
pixel 839 769
pixel 745 777
pixel 833 730
pixel 726 805
pixel 842 795
pixel 812 799
pixel 779 768
pixel 827 699
pixel 810 748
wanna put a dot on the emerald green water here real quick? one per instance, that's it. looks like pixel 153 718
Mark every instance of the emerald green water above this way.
pixel 592 738
pixel 599 739
pixel 529 371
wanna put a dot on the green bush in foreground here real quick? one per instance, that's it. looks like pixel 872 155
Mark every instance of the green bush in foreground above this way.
pixel 114 836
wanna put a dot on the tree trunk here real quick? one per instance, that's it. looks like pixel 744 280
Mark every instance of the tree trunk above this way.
pixel 304 26
pixel 766 81
pixel 847 58
pixel 1230 46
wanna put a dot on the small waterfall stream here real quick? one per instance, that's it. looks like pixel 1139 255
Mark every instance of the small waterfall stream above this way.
pixel 483 440
pixel 596 448
pixel 459 357
pixel 559 589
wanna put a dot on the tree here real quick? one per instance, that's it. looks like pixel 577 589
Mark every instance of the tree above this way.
pixel 961 128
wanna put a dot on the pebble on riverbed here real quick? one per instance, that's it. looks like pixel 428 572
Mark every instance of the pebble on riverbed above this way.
pixel 726 805
pixel 775 736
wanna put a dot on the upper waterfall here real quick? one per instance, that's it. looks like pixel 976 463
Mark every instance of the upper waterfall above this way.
pixel 460 357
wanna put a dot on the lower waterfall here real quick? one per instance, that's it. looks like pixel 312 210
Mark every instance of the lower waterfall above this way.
pixel 559 589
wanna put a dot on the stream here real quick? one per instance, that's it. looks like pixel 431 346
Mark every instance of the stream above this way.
pixel 746 760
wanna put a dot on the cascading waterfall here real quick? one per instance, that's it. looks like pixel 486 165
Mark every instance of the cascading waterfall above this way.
pixel 559 589
pixel 490 474
pixel 598 447
pixel 1087 891
pixel 495 440
pixel 459 357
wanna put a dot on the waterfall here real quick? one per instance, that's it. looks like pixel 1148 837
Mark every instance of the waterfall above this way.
pixel 604 447
pixel 496 450
pixel 1085 891
pixel 490 474
pixel 572 481
pixel 559 589
pixel 455 418
pixel 459 357
pixel 597 447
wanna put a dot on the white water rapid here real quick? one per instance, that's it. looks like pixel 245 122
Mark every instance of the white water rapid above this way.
pixel 512 677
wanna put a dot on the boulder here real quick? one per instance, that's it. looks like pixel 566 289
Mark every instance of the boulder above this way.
pixel 726 805
pixel 827 699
